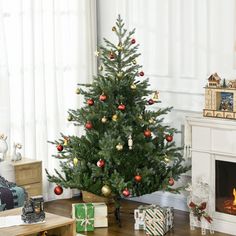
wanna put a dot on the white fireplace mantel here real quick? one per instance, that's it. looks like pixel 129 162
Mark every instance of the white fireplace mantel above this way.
pixel 212 139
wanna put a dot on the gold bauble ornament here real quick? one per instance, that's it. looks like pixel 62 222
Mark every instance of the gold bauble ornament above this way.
pixel 140 117
pixel 97 53
pixel 66 141
pixel 75 161
pixel 69 118
pixel 100 68
pixel 155 96
pixel 133 86
pixel 134 62
pixel 119 146
pixel 151 120
pixel 77 91
pixel 119 74
pixel 166 159
pixel 113 28
pixel 120 47
pixel 106 190
pixel 104 119
pixel 115 117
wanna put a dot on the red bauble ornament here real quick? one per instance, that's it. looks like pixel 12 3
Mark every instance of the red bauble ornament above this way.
pixel 58 190
pixel 171 181
pixel 126 192
pixel 103 97
pixel 59 147
pixel 112 55
pixel 90 102
pixel 121 107
pixel 141 73
pixel 147 133
pixel 151 101
pixel 169 138
pixel 133 41
pixel 138 178
pixel 88 125
pixel 101 163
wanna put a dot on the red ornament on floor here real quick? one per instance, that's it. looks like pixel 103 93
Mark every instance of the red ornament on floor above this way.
pixel 58 190
pixel 169 138
pixel 59 147
pixel 126 192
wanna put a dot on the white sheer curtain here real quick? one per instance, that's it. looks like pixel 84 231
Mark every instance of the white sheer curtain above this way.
pixel 181 41
pixel 46 48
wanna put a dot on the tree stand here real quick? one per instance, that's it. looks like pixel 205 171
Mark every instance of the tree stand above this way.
pixel 117 210
pixel 117 216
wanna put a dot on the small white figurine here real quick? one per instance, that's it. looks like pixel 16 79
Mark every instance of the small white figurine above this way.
pixel 16 156
pixel 3 147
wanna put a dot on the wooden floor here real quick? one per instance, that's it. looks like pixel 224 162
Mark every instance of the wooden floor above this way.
pixel 181 220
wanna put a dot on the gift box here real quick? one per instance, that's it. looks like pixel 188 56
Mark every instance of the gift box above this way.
pixel 169 218
pixel 84 215
pixel 155 221
pixel 99 218
pixel 139 216
pixel 100 215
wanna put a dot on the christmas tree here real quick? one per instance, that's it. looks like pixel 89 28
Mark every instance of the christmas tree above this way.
pixel 126 151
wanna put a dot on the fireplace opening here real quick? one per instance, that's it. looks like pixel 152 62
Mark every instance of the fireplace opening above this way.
pixel 225 187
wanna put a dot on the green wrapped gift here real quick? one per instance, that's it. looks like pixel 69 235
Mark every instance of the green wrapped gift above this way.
pixel 84 215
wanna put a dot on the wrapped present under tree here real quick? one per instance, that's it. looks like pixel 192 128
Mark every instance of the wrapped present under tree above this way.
pixel 84 215
pixel 159 220
pixel 100 215
pixel 139 216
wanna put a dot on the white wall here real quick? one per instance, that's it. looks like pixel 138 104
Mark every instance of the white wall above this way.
pixel 177 67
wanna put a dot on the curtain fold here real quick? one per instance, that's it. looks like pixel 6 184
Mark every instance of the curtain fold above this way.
pixel 47 47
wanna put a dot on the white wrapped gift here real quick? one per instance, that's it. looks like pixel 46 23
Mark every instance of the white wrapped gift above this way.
pixel 139 216
pixel 100 215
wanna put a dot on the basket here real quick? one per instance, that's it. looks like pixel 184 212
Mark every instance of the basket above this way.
pixel 90 197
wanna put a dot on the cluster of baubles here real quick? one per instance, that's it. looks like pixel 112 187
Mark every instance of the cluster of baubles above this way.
pixel 106 190
pixel 121 107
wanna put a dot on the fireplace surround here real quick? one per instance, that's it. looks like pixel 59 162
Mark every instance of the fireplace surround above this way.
pixel 212 144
